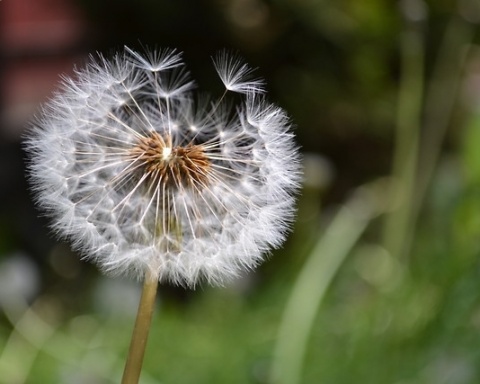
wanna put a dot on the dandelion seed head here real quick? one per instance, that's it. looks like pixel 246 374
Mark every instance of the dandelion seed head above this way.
pixel 140 174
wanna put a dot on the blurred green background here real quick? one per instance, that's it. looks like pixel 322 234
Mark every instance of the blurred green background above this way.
pixel 379 281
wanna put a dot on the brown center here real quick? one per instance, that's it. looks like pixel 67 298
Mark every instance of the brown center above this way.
pixel 176 166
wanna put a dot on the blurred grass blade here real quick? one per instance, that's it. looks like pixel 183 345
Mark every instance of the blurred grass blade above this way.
pixel 22 347
pixel 407 137
pixel 441 96
pixel 313 281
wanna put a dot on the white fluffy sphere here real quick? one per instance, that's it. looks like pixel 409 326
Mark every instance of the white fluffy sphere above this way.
pixel 139 174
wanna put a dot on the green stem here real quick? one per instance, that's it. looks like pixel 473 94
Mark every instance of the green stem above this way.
pixel 416 158
pixel 133 366
pixel 440 100
pixel 405 160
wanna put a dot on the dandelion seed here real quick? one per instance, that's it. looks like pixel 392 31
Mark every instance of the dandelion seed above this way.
pixel 236 75
pixel 144 178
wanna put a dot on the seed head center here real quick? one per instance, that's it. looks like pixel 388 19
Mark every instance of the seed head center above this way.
pixel 166 152
pixel 176 166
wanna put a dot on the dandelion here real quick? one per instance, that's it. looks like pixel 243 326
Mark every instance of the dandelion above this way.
pixel 140 175
pixel 148 180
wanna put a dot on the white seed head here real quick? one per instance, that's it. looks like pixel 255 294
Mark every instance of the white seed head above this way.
pixel 140 175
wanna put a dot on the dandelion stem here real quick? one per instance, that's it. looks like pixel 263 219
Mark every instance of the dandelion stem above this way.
pixel 133 366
